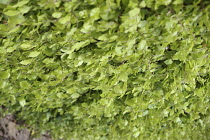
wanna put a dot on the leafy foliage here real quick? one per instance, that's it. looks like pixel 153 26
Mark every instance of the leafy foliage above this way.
pixel 107 69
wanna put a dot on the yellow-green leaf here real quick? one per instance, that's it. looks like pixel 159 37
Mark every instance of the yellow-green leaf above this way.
pixel 4 75
pixel 22 101
pixel 34 54
pixel 134 12
pixel 21 3
pixel 26 62
pixel 11 13
pixel 56 14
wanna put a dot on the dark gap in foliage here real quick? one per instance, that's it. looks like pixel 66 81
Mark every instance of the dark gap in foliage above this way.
pixel 204 3
pixel 198 84
pixel 161 63
pixel 57 58
pixel 80 24
pixel 75 75
pixel 89 96
pixel 46 70
pixel 189 2
pixel 146 12
pixel 116 63
pixel 184 114
pixel 53 79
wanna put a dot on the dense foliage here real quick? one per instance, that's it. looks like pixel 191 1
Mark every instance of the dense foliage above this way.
pixel 107 69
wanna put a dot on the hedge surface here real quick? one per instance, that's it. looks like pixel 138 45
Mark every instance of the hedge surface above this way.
pixel 107 69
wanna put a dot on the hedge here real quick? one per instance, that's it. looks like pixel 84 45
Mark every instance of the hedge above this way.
pixel 107 69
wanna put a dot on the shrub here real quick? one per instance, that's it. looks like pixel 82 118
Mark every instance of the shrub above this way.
pixel 114 69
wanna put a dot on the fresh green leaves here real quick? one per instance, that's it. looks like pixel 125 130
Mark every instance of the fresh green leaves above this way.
pixel 118 69
pixel 21 3
pixel 11 13
pixel 22 101
pixel 34 54
pixel 4 1
pixel 4 74
pixel 57 14
pixel 134 12
pixel 26 46
pixel 26 62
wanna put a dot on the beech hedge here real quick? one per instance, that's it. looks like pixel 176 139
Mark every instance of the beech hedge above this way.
pixel 107 69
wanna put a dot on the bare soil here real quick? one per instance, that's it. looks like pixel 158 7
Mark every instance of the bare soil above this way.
pixel 9 131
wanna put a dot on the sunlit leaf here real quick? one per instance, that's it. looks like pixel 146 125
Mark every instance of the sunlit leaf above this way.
pixel 21 3
pixel 24 9
pixel 25 84
pixel 22 101
pixel 118 69
pixel 134 12
pixel 4 1
pixel 26 62
pixel 26 46
pixel 11 13
pixel 34 54
pixel 57 14
pixel 168 62
pixel 75 95
pixel 63 20
pixel 4 74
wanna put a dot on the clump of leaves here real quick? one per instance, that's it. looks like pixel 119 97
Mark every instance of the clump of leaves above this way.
pixel 95 69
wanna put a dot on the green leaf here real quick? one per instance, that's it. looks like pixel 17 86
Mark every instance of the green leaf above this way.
pixel 178 120
pixel 71 90
pixel 103 37
pixel 165 113
pixel 176 2
pixel 26 46
pixel 4 1
pixel 3 84
pixel 64 20
pixel 11 12
pixel 142 4
pixel 21 3
pixel 168 62
pixel 75 95
pixel 134 12
pixel 162 2
pixel 14 30
pixel 4 75
pixel 94 14
pixel 11 49
pixel 118 2
pixel 48 61
pixel 86 27
pixel 60 95
pixel 123 77
pixel 25 84
pixel 180 56
pixel 131 102
pixel 136 134
pixel 142 45
pixel 167 2
pixel 70 33
pixel 13 99
pixel 146 112
pixel 26 62
pixel 79 45
pixel 22 101
pixel 34 54
pixel 57 15
pixel 49 51
pixel 24 9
